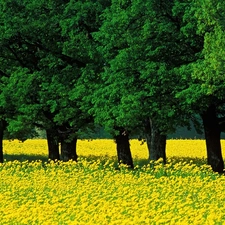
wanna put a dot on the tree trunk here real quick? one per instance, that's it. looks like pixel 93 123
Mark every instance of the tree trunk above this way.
pixel 158 144
pixel 123 148
pixel 212 137
pixel 53 144
pixel 68 149
pixel 147 129
pixel 2 129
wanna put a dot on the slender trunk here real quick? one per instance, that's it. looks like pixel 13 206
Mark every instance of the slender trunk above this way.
pixel 147 129
pixel 2 129
pixel 68 149
pixel 158 144
pixel 212 137
pixel 53 144
pixel 123 148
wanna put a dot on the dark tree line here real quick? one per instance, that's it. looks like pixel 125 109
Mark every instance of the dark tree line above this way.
pixel 133 67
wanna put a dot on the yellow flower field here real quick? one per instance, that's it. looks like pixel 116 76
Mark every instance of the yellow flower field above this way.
pixel 101 148
pixel 91 191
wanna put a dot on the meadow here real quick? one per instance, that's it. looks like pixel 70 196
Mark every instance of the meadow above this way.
pixel 92 191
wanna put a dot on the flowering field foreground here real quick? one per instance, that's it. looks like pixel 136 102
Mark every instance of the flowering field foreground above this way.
pixel 93 192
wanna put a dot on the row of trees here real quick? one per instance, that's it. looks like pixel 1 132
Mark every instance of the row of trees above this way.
pixel 133 67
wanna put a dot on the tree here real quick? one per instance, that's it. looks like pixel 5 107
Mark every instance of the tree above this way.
pixel 144 46
pixel 205 93
pixel 82 19
pixel 45 83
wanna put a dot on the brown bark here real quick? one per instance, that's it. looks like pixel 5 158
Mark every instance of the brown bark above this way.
pixel 53 144
pixel 2 128
pixel 68 149
pixel 212 137
pixel 123 148
pixel 158 144
pixel 3 125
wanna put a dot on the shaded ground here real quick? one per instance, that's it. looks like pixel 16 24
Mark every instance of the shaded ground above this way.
pixel 23 157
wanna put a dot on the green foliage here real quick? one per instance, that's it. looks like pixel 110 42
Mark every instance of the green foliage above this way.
pixel 48 57
pixel 118 61
pixel 206 80
pixel 144 45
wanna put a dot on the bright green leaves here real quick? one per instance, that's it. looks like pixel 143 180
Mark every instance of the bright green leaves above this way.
pixel 209 14
pixel 210 70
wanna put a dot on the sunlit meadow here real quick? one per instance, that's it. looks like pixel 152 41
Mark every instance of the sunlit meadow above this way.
pixel 92 191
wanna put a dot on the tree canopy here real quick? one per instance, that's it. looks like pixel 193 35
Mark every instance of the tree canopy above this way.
pixel 45 81
pixel 132 67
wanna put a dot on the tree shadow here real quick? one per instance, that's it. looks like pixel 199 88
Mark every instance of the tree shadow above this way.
pixel 174 160
pixel 24 157
pixel 191 160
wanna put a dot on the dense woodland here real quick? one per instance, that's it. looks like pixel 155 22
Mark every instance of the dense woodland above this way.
pixel 137 67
